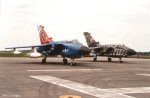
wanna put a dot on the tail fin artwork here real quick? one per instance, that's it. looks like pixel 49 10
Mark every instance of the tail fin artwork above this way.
pixel 90 41
pixel 43 36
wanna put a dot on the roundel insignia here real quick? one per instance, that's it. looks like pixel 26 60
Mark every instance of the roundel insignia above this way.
pixel 69 96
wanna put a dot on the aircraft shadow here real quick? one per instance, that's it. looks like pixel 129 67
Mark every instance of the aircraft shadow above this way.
pixel 54 63
pixel 105 61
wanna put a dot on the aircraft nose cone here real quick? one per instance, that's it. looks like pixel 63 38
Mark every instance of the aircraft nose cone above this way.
pixel 84 50
pixel 131 52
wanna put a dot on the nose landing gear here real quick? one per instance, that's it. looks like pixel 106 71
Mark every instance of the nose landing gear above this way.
pixel 109 59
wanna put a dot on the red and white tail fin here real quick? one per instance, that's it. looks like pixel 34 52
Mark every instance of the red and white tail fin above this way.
pixel 43 36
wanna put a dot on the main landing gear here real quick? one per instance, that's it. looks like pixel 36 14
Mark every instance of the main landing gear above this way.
pixel 65 61
pixel 94 59
pixel 109 59
pixel 44 60
pixel 120 60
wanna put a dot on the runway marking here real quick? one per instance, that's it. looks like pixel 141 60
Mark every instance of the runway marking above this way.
pixel 67 70
pixel 131 90
pixel 11 96
pixel 87 89
pixel 143 74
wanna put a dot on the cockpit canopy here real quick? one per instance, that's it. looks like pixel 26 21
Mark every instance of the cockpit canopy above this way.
pixel 75 41
pixel 122 46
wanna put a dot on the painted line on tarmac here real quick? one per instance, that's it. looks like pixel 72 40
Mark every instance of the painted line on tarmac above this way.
pixel 87 89
pixel 131 90
pixel 143 74
pixel 67 70
pixel 10 96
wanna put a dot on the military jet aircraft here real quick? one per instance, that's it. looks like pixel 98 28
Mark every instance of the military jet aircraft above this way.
pixel 109 51
pixel 67 49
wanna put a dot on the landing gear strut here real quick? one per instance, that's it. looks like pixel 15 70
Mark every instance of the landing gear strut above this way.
pixel 95 58
pixel 72 62
pixel 65 61
pixel 109 59
pixel 120 60
pixel 44 60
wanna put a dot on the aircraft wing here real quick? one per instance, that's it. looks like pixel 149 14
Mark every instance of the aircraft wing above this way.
pixel 28 46
pixel 55 47
pixel 46 47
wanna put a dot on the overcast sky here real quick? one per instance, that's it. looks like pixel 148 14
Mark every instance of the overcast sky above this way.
pixel 109 21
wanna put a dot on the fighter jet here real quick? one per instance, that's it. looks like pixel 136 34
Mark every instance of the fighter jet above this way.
pixel 109 51
pixel 66 49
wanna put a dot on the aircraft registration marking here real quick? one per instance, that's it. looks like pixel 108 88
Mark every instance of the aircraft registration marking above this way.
pixel 90 90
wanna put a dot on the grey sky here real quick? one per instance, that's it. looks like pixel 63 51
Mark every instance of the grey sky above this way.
pixel 109 21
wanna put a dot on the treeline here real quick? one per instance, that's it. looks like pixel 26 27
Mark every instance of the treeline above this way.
pixel 10 54
pixel 142 55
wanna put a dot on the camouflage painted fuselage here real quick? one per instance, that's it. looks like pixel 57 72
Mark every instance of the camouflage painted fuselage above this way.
pixel 107 50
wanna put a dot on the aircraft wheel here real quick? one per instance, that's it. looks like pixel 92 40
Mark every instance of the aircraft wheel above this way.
pixel 43 61
pixel 121 61
pixel 109 60
pixel 94 59
pixel 65 61
pixel 72 64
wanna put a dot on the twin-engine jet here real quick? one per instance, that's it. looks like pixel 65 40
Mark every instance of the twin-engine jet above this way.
pixel 118 51
pixel 67 49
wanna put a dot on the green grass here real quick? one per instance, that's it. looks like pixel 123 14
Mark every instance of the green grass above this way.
pixel 10 54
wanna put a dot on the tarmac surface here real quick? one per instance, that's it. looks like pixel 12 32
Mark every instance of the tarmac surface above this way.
pixel 28 78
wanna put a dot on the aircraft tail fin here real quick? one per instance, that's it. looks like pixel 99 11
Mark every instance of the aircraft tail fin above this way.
pixel 44 39
pixel 90 41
